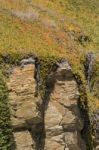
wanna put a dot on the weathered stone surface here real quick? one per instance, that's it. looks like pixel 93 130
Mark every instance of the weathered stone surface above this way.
pixel 74 141
pixel 57 124
pixel 54 143
pixel 62 117
pixel 22 85
pixel 23 141
pixel 65 141
pixel 23 106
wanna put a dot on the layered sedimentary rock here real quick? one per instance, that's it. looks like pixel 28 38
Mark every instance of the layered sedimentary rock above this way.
pixel 62 119
pixel 24 112
pixel 56 123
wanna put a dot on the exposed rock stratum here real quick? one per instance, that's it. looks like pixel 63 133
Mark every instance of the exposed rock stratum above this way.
pixel 51 123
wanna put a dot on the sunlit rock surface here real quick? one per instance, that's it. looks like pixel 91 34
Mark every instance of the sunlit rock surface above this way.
pixel 57 124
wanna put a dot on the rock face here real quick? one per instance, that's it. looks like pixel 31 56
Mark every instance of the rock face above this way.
pixel 57 124
pixel 24 112
pixel 23 140
pixel 62 117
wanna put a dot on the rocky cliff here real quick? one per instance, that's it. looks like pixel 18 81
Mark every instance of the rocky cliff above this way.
pixel 48 123
pixel 60 118
pixel 54 120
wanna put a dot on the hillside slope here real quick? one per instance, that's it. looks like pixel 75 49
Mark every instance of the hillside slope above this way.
pixel 36 26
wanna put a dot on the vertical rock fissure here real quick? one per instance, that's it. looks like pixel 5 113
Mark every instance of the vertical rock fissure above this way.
pixel 84 109
pixel 37 76
pixel 39 129
pixel 44 106
pixel 89 68
pixel 87 132
pixel 37 132
pixel 92 73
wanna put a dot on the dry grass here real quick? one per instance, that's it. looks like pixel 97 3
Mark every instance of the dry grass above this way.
pixel 40 36
pixel 56 31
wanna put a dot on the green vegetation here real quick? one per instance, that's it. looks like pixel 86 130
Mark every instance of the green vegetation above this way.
pixel 86 112
pixel 95 78
pixel 46 66
pixel 5 129
pixel 86 13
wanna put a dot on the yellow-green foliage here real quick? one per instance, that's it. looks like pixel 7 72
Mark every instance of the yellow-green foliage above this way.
pixel 46 65
pixel 95 77
pixel 5 129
